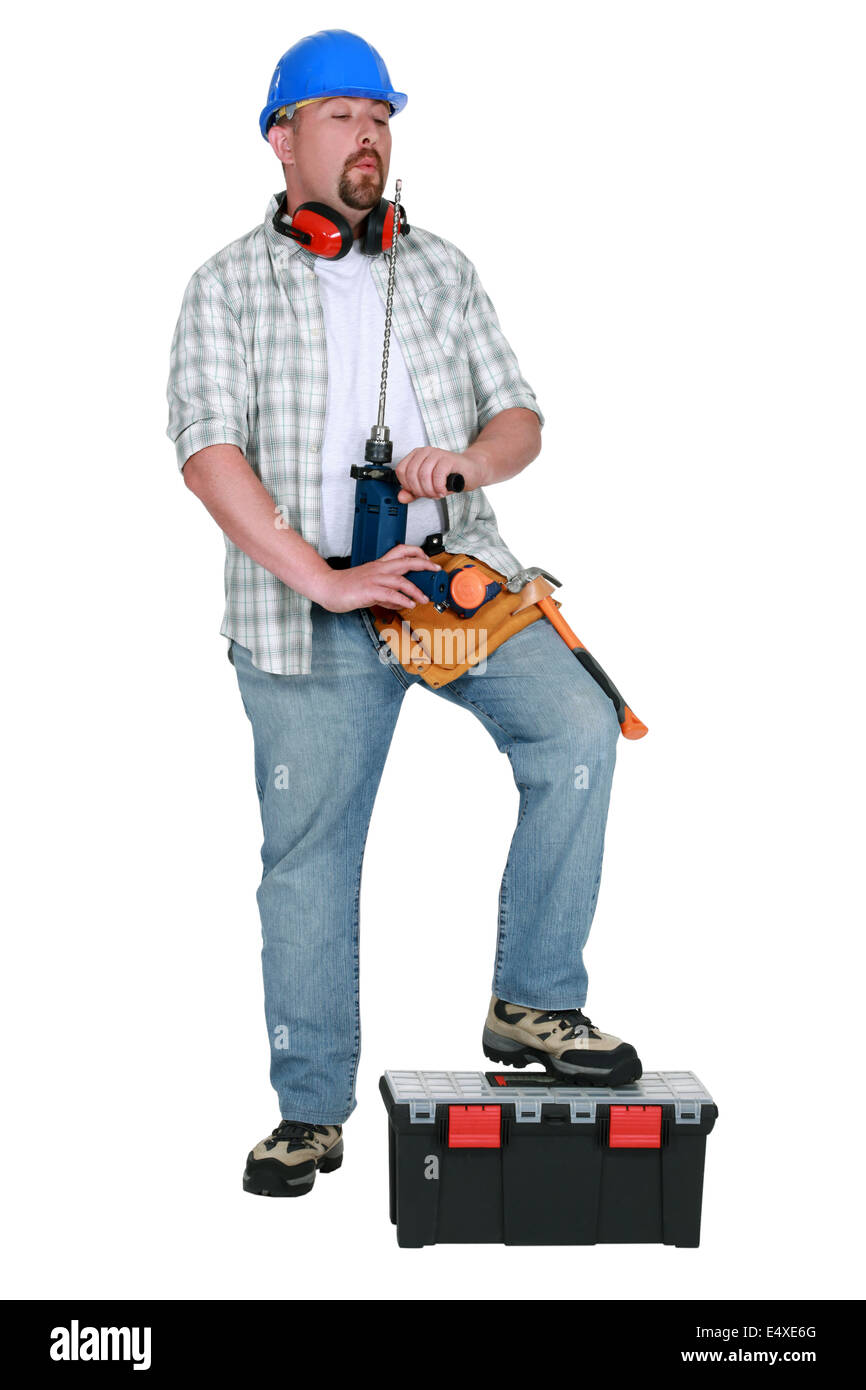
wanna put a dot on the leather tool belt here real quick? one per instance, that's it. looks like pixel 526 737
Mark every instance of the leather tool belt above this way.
pixel 439 647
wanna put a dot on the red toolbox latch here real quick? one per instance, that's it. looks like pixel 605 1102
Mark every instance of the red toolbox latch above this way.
pixel 635 1127
pixel 473 1126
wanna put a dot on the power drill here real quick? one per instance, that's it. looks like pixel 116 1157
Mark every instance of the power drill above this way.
pixel 380 520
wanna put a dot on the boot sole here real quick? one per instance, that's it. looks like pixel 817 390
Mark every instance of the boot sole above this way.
pixel 267 1177
pixel 515 1054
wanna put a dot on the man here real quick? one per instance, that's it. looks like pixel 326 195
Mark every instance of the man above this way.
pixel 275 374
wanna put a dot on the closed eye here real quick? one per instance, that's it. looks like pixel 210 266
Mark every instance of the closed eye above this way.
pixel 344 117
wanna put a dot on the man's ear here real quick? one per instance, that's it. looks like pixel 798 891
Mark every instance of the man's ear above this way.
pixel 279 139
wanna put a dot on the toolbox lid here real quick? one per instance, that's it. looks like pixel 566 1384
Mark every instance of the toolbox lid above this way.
pixel 422 1091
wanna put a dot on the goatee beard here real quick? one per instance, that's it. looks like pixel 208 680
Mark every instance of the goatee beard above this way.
pixel 361 193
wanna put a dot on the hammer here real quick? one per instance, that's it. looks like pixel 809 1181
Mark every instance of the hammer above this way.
pixel 535 586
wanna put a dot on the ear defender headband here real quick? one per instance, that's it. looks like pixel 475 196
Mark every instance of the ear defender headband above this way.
pixel 325 232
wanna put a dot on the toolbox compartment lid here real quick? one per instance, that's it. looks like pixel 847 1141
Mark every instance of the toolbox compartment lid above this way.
pixel 423 1091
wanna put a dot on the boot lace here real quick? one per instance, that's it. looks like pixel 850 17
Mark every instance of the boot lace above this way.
pixel 295 1133
pixel 573 1022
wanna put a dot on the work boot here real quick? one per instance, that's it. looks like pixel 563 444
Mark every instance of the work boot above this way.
pixel 285 1165
pixel 564 1041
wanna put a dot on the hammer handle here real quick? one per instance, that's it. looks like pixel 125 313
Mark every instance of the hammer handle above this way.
pixel 631 726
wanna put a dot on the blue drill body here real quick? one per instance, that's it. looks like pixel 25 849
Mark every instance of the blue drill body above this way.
pixel 380 524
pixel 380 520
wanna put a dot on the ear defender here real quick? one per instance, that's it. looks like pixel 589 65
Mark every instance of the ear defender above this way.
pixel 379 233
pixel 325 232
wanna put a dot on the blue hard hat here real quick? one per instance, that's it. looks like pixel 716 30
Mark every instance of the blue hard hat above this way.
pixel 331 63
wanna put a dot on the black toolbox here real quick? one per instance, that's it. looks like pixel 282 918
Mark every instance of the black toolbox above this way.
pixel 524 1159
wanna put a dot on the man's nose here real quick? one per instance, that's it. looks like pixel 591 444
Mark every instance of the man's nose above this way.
pixel 369 131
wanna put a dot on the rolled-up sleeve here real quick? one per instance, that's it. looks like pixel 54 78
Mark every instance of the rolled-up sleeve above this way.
pixel 207 384
pixel 496 376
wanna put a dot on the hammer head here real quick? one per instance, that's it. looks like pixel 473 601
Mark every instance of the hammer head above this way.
pixel 531 584
pixel 517 581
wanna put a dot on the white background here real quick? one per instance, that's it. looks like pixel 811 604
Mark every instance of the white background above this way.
pixel 665 203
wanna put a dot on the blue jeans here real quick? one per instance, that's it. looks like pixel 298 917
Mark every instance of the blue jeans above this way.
pixel 321 742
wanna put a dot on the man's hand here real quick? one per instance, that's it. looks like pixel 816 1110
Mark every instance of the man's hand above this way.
pixel 380 581
pixel 423 472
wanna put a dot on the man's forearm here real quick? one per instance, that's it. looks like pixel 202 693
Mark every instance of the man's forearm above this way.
pixel 243 508
pixel 508 442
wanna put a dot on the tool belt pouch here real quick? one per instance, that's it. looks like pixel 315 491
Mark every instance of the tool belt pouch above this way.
pixel 439 647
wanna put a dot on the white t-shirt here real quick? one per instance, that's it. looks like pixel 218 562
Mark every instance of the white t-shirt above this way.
pixel 355 329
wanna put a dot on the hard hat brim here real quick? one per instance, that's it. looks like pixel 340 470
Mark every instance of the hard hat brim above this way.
pixel 396 100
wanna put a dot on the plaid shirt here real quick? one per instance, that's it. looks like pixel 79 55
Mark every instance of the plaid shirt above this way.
pixel 249 367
